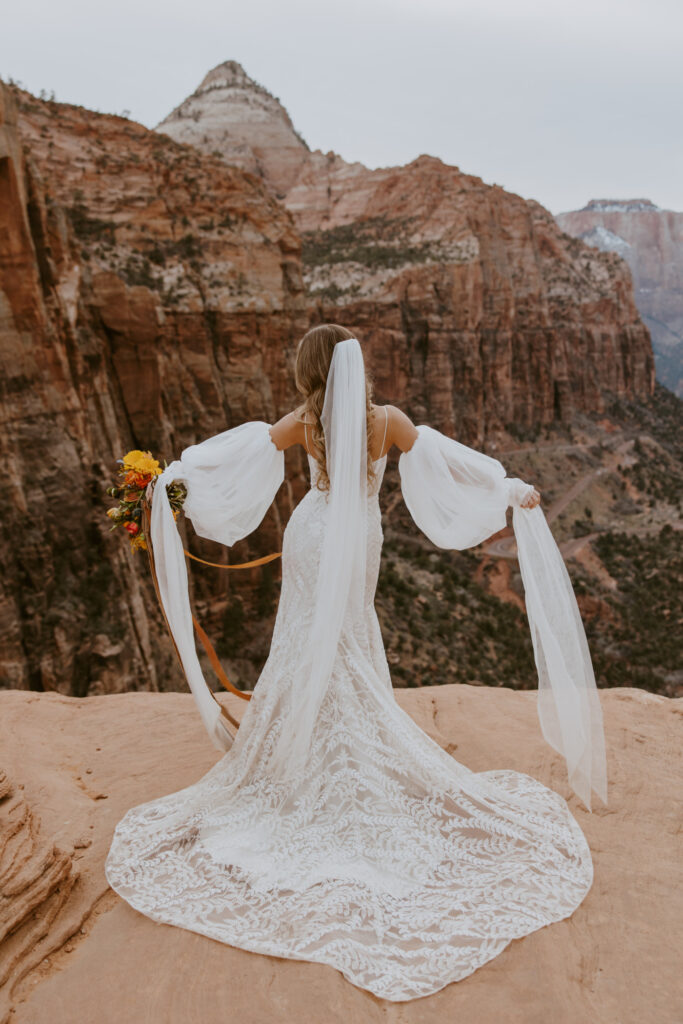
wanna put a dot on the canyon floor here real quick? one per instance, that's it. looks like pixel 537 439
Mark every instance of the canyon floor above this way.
pixel 76 953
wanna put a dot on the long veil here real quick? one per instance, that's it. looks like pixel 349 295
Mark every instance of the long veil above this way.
pixel 340 584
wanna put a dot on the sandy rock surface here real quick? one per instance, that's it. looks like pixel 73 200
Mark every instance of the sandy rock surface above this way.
pixel 78 953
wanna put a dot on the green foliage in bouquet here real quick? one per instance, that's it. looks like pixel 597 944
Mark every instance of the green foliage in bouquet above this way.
pixel 139 470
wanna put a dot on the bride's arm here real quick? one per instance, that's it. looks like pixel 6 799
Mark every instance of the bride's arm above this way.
pixel 402 432
pixel 231 481
pixel 287 431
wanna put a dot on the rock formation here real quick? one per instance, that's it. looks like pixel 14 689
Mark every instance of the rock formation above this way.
pixel 36 881
pixel 478 312
pixel 84 763
pixel 230 114
pixel 474 304
pixel 651 241
pixel 152 295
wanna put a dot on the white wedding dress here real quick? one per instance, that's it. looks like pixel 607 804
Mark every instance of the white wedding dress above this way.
pixel 380 855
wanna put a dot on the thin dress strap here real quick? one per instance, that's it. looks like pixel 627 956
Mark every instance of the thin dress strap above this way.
pixel 386 424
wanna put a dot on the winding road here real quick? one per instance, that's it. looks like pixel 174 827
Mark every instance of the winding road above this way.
pixel 505 547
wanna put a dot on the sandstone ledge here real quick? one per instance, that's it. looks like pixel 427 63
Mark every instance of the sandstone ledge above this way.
pixel 79 953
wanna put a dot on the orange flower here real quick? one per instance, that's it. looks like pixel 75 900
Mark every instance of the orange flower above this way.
pixel 135 479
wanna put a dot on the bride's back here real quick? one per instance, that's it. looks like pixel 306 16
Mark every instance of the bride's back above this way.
pixel 390 426
pixel 377 447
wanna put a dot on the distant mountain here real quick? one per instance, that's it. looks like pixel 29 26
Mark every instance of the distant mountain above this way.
pixel 231 114
pixel 651 242
pixel 477 310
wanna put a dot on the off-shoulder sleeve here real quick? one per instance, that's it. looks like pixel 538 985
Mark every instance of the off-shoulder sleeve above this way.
pixel 458 497
pixel 231 480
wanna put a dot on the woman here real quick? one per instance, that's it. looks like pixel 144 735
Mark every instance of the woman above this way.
pixel 333 829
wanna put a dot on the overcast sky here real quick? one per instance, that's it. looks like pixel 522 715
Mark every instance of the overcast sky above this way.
pixel 561 102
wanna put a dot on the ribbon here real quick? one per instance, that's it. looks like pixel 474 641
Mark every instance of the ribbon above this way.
pixel 206 643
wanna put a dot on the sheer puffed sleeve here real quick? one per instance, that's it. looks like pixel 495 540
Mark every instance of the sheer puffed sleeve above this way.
pixel 231 480
pixel 458 497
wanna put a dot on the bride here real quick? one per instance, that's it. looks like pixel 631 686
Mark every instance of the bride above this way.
pixel 333 829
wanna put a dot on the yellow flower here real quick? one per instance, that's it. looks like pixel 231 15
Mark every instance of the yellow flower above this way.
pixel 138 543
pixel 131 458
pixel 141 462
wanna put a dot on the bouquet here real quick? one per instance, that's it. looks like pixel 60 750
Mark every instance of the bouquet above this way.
pixel 139 470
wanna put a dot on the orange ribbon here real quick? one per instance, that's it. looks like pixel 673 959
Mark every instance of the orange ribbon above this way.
pixel 240 565
pixel 206 643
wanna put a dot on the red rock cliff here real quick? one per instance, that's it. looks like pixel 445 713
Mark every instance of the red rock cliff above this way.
pixel 479 311
pixel 150 297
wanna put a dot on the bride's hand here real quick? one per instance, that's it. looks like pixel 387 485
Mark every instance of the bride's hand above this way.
pixel 533 500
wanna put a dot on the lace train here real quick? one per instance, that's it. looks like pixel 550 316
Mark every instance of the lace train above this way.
pixel 384 858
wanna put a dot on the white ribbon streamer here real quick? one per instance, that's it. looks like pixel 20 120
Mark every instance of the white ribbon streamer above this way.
pixel 568 703
pixel 231 480
pixel 458 497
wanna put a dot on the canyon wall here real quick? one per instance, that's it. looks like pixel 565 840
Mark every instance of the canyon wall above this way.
pixel 149 297
pixel 152 294
pixel 477 310
pixel 651 241
pixel 475 306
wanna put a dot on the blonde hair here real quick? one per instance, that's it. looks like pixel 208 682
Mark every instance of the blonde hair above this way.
pixel 313 358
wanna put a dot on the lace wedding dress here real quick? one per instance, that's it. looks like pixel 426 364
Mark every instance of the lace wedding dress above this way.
pixel 378 853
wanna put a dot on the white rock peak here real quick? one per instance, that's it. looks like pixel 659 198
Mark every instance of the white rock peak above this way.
pixel 234 116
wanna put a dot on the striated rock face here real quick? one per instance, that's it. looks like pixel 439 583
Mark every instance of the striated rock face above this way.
pixel 651 241
pixel 232 115
pixel 477 310
pixel 36 881
pixel 149 297
pixel 102 961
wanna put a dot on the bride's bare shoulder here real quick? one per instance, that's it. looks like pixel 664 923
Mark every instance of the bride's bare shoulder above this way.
pixel 401 430
pixel 289 429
